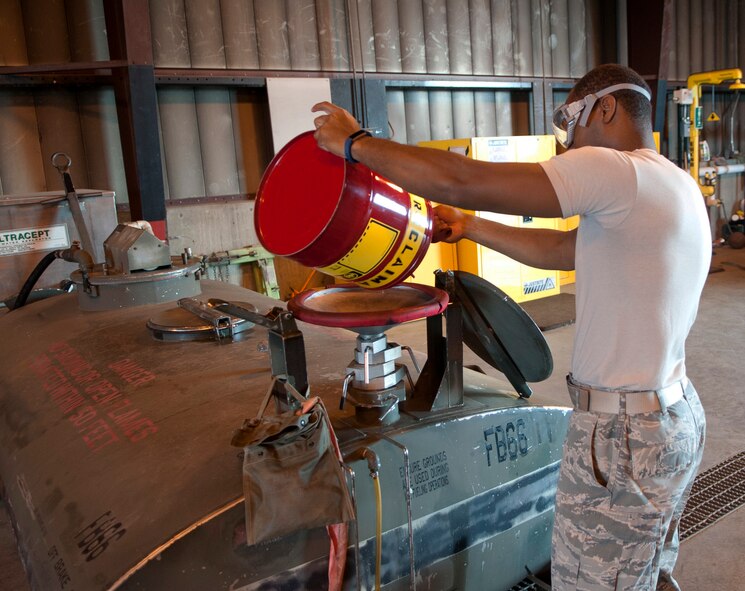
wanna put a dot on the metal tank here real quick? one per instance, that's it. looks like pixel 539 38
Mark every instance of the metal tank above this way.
pixel 119 402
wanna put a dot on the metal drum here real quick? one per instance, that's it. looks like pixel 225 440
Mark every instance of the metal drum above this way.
pixel 341 218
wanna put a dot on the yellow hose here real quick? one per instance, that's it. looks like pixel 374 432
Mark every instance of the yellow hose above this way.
pixel 378 529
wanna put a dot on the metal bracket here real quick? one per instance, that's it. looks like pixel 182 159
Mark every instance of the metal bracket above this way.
pixel 286 344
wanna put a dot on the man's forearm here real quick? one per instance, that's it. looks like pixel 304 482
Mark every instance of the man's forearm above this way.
pixel 457 180
pixel 536 247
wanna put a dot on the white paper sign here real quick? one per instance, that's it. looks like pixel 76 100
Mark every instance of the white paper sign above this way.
pixel 33 239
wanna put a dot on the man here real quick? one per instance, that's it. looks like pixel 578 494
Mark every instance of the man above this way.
pixel 641 253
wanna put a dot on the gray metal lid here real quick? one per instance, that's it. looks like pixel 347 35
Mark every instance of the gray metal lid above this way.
pixel 178 324
pixel 500 332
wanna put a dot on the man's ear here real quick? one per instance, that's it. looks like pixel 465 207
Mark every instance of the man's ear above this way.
pixel 608 107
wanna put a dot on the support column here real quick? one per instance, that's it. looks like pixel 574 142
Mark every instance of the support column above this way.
pixel 649 39
pixel 129 38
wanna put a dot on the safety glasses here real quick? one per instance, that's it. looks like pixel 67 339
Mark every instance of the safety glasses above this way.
pixel 566 117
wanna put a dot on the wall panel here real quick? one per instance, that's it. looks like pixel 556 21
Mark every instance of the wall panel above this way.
pixel 436 36
pixel 334 42
pixel 204 32
pixel 386 31
pixel 215 122
pixel 411 22
pixel 12 36
pixel 239 34
pixel 60 131
pixel 169 32
pixel 21 167
pixel 302 32
pixel 183 158
pixel 459 37
pixel 87 30
pixel 271 34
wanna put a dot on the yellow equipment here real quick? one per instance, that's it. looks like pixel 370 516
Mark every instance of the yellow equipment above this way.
pixel 521 282
pixel 695 81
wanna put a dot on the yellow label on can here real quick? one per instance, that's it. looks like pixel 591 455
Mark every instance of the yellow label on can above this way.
pixel 409 248
pixel 368 252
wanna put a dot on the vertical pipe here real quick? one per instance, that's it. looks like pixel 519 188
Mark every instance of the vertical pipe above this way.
pixel 464 120
pixel 333 35
pixel 385 27
pixel 178 120
pixel 59 130
pixel 217 142
pixel 503 102
pixel 170 38
pixel 577 38
pixel 417 116
pixel 411 23
pixel 459 37
pixel 397 115
pixel 502 40
pixel 271 35
pixel 441 114
pixel 594 34
pixel 302 32
pixel 362 23
pixel 45 26
pixel 559 38
pixel 204 32
pixel 12 37
pixel 696 34
pixel 481 37
pixel 21 167
pixel 239 34
pixel 436 36
pixel 683 40
pixel 486 113
pixel 521 10
pixel 103 148
pixel 85 20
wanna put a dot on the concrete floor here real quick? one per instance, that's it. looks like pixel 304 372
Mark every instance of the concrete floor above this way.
pixel 711 559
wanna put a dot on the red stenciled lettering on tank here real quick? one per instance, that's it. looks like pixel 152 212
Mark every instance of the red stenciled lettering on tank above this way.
pixel 99 411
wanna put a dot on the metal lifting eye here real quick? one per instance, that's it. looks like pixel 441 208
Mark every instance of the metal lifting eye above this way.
pixel 61 162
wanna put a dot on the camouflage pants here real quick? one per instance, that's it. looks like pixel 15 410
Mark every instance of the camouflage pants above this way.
pixel 623 485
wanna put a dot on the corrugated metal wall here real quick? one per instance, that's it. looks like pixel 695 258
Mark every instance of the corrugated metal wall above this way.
pixel 211 141
pixel 36 123
pixel 708 35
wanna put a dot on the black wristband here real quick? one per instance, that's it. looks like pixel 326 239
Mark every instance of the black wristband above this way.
pixel 350 140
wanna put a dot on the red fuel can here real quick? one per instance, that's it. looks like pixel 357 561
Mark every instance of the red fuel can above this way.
pixel 340 218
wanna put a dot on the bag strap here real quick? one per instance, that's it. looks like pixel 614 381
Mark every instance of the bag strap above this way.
pixel 288 387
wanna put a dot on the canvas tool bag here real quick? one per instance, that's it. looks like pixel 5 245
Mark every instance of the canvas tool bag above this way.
pixel 293 477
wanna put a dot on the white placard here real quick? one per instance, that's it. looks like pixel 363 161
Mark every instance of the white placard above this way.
pixel 290 100
pixel 32 239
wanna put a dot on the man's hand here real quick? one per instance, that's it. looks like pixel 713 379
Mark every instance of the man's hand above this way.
pixel 449 224
pixel 333 128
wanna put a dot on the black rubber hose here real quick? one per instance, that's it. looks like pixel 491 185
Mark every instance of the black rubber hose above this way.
pixel 33 278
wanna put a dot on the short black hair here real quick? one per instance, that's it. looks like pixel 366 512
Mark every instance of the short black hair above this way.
pixel 634 103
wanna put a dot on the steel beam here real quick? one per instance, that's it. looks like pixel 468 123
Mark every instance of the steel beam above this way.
pixel 649 25
pixel 129 38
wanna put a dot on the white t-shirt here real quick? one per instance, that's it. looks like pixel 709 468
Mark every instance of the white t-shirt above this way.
pixel 642 257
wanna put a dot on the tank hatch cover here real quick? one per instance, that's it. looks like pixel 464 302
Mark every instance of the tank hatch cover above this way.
pixel 179 324
pixel 500 332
